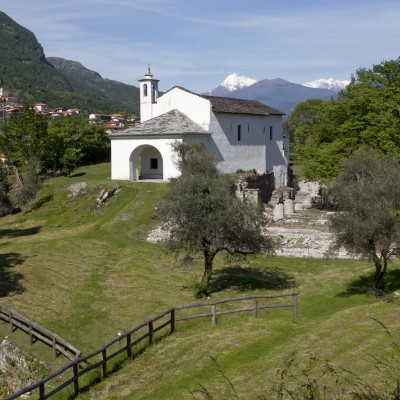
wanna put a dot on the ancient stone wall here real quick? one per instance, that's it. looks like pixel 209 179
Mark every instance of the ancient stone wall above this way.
pixel 258 187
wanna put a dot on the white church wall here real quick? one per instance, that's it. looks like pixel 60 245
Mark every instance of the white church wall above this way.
pixel 246 152
pixel 276 158
pixel 122 149
pixel 195 107
pixel 258 145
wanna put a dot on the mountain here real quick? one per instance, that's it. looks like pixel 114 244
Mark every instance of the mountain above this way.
pixel 85 81
pixel 29 76
pixel 331 84
pixel 231 83
pixel 280 94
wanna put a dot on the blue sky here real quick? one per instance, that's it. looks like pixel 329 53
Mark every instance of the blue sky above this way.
pixel 197 43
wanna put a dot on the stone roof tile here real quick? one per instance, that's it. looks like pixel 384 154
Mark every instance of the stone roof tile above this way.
pixel 171 123
pixel 240 106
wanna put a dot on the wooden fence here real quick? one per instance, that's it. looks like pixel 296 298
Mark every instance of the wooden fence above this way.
pixel 130 343
pixel 37 332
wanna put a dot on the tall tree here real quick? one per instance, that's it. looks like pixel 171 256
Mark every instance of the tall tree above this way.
pixel 22 137
pixel 202 215
pixel 367 195
pixel 314 143
pixel 53 145
pixel 72 142
pixel 365 114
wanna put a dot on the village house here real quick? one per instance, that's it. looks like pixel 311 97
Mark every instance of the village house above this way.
pixel 241 134
pixel 99 118
pixel 42 108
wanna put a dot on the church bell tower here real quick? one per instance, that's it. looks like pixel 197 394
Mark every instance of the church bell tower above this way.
pixel 148 96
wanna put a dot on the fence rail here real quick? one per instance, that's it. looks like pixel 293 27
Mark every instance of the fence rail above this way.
pixel 126 341
pixel 37 332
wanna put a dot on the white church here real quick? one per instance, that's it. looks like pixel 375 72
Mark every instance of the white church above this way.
pixel 241 134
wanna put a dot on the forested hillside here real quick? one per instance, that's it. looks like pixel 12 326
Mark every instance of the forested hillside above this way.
pixel 29 76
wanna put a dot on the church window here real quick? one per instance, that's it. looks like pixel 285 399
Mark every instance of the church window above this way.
pixel 153 163
pixel 145 90
pixel 239 133
pixel 271 133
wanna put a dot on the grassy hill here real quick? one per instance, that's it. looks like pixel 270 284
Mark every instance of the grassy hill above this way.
pixel 29 76
pixel 86 272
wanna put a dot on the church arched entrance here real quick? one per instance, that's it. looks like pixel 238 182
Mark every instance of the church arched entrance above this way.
pixel 146 162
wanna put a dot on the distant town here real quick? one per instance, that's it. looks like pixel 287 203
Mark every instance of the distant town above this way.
pixel 10 106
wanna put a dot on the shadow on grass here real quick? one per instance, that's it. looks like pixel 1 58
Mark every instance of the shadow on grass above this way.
pixel 77 174
pixel 243 279
pixel 9 280
pixel 19 232
pixel 364 283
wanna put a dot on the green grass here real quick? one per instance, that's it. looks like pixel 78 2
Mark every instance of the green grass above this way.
pixel 86 272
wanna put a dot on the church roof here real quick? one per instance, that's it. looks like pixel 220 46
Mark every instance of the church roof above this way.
pixel 171 123
pixel 240 106
pixel 235 106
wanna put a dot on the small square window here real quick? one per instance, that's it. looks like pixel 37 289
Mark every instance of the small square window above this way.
pixel 153 163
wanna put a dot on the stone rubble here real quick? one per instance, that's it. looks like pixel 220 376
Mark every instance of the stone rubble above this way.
pixel 17 369
pixel 301 229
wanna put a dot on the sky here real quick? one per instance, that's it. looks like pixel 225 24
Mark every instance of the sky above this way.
pixel 197 43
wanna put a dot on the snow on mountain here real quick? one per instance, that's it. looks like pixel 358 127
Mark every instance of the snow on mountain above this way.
pixel 332 84
pixel 232 82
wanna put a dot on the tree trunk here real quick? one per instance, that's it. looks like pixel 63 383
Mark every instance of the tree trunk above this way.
pixel 380 272
pixel 208 265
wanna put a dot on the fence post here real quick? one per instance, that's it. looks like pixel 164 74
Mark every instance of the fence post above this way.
pixel 104 363
pixel 54 348
pixel 75 368
pixel 10 321
pixel 30 333
pixel 150 333
pixel 128 345
pixel 295 305
pixel 255 307
pixel 214 315
pixel 173 320
pixel 41 391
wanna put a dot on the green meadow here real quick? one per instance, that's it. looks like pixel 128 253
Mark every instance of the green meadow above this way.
pixel 86 271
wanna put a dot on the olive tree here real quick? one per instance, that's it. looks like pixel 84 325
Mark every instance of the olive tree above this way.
pixel 202 214
pixel 367 195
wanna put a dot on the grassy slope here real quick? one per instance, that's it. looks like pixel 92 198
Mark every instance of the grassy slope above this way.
pixel 86 272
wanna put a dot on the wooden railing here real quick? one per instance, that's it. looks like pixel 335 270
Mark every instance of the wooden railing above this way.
pixel 126 342
pixel 255 307
pixel 37 332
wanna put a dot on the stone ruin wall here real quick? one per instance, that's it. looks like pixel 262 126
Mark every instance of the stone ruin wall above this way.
pixel 283 202
pixel 256 187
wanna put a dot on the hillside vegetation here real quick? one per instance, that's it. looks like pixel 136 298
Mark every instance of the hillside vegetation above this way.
pixel 364 115
pixel 86 272
pixel 29 76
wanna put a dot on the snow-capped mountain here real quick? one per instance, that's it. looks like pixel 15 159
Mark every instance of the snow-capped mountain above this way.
pixel 280 94
pixel 331 84
pixel 277 93
pixel 232 82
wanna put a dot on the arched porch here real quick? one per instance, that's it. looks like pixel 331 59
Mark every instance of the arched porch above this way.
pixel 146 162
